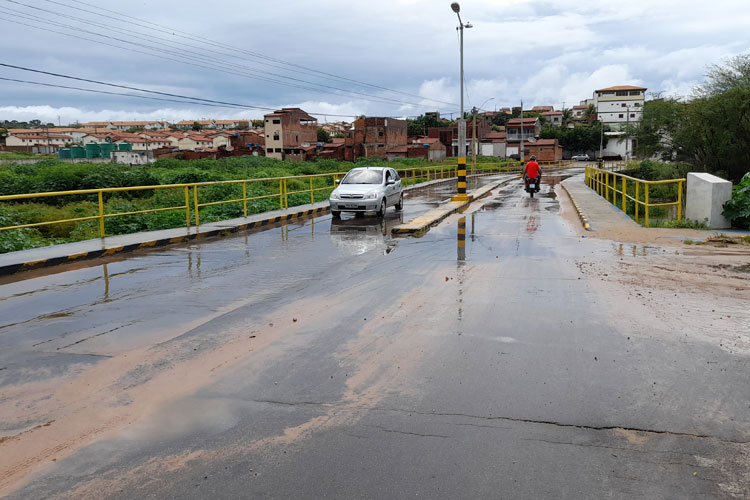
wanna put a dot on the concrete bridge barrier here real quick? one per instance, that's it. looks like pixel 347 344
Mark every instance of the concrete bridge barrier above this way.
pixel 704 202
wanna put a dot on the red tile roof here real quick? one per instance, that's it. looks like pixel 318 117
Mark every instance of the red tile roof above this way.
pixel 526 121
pixel 620 87
pixel 543 142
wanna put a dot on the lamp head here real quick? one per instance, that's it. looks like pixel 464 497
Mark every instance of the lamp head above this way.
pixel 456 8
pixel 468 25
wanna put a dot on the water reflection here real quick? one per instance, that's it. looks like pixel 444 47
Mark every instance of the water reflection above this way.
pixel 461 239
pixel 360 234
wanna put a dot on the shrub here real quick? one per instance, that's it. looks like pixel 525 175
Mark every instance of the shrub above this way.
pixel 737 209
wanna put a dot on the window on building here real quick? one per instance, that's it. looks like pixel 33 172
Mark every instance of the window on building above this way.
pixel 637 105
pixel 277 122
pixel 269 150
pixel 635 92
pixel 622 93
pixel 621 116
pixel 278 150
pixel 632 115
pixel 275 136
pixel 624 105
pixel 268 121
pixel 380 134
pixel 381 145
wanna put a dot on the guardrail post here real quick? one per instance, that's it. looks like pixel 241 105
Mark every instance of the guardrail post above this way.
pixel 606 186
pixel 101 214
pixel 244 198
pixel 624 190
pixel 187 205
pixel 637 198
pixel 647 205
pixel 195 205
pixel 286 194
pixel 679 201
pixel 312 193
pixel 281 193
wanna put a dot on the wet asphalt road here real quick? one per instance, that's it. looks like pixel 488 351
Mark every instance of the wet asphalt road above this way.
pixel 414 368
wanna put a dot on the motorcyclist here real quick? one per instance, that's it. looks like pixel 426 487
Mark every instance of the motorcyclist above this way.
pixel 532 171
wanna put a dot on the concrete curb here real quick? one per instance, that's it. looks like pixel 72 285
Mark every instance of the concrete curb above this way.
pixel 584 219
pixel 420 225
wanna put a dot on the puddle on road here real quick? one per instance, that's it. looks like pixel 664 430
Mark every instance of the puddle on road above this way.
pixel 636 251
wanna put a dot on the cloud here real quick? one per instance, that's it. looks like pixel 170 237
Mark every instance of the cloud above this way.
pixel 544 51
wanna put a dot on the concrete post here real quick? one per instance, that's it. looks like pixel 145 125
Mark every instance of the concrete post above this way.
pixel 706 195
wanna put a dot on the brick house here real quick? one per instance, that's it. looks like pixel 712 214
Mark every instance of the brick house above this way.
pixel 289 132
pixel 374 136
pixel 544 149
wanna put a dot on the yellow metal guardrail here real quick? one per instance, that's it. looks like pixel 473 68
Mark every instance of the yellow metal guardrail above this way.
pixel 193 205
pixel 606 184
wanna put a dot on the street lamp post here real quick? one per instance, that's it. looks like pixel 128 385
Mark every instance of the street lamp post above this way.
pixel 474 137
pixel 461 169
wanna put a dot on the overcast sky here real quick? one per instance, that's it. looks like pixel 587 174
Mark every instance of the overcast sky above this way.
pixel 320 54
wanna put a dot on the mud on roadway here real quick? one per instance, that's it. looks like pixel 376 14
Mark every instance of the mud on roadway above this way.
pixel 327 359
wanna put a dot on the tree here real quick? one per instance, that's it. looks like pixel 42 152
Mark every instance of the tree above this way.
pixel 582 138
pixel 257 123
pixel 661 120
pixel 735 73
pixel 712 130
pixel 197 126
pixel 3 132
pixel 421 124
pixel 567 116
pixel 243 127
pixel 323 135
pixel 590 114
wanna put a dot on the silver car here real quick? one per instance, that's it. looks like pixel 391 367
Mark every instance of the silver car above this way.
pixel 367 189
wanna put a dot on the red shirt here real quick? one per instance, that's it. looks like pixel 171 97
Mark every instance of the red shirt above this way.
pixel 532 169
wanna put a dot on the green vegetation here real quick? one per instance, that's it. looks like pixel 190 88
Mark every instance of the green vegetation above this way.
pixel 51 175
pixel 323 135
pixel 579 139
pixel 421 125
pixel 20 155
pixel 737 209
pixel 711 131
pixel 675 224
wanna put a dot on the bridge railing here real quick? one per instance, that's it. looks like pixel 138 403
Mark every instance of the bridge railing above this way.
pixel 253 195
pixel 609 185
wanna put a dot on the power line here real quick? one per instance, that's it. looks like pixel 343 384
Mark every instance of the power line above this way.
pixel 208 41
pixel 191 100
pixel 123 94
pixel 367 97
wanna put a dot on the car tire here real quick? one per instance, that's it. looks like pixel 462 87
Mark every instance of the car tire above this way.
pixel 336 213
pixel 400 204
pixel 383 207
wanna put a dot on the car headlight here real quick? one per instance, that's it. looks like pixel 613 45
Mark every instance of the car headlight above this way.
pixel 334 195
pixel 371 195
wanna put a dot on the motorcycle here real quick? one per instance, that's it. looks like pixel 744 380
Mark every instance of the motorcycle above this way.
pixel 532 185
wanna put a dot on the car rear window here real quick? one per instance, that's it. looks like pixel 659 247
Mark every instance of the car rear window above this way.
pixel 363 177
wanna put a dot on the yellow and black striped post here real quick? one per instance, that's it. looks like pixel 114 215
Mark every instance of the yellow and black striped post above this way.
pixel 461 239
pixel 461 196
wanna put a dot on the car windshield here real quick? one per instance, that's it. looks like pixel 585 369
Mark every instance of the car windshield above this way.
pixel 363 177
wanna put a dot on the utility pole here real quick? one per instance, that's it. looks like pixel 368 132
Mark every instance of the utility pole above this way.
pixel 627 135
pixel 474 143
pixel 522 156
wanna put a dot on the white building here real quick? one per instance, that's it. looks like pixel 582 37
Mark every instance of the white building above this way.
pixel 133 157
pixel 38 140
pixel 617 106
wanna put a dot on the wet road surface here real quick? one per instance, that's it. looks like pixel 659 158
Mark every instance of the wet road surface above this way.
pixel 326 359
